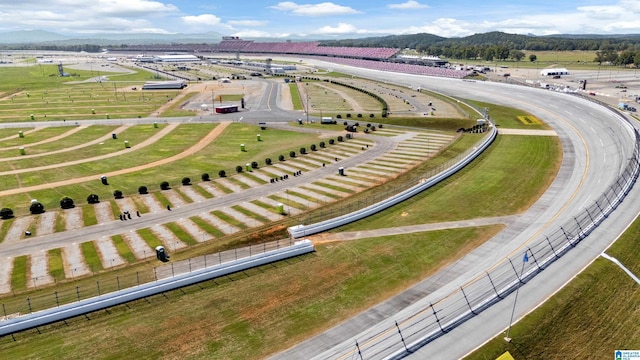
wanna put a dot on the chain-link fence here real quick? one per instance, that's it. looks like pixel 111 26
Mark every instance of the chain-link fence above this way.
pixel 88 288
pixel 433 321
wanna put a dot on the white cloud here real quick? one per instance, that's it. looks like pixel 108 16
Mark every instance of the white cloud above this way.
pixel 409 5
pixel 247 22
pixel 342 28
pixel 203 19
pixel 322 9
pixel 259 34
pixel 78 16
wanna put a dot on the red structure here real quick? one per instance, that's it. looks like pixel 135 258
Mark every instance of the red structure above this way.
pixel 226 109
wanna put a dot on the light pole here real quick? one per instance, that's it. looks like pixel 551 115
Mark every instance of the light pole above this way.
pixel 307 106
pixel 525 259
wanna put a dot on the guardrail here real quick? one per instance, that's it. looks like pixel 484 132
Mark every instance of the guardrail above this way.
pixel 81 307
pixel 429 323
pixel 459 162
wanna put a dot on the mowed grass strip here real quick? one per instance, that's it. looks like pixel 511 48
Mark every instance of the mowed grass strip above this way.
pixel 226 320
pixel 19 273
pixel 283 199
pixel 56 265
pixel 499 182
pixel 4 228
pixel 229 219
pixel 89 215
pixel 251 214
pixel 149 237
pixel 123 249
pixel 593 315
pixel 181 234
pixel 134 134
pixel 206 227
pixel 91 256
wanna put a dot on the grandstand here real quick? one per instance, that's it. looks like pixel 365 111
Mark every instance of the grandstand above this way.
pixel 387 59
pixel 237 45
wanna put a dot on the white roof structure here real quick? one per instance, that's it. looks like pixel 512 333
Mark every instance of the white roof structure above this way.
pixel 554 71
pixel 177 58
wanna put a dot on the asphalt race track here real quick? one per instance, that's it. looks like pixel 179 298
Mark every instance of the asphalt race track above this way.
pixel 596 147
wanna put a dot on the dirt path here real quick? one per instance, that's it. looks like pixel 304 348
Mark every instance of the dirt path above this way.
pixel 51 139
pixel 190 151
pixel 160 134
pixel 73 148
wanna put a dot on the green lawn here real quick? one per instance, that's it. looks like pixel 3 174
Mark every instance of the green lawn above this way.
pixel 498 184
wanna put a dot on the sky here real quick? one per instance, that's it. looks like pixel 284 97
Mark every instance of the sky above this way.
pixel 322 19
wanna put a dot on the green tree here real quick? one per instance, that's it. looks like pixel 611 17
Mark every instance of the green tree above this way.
pixel 533 57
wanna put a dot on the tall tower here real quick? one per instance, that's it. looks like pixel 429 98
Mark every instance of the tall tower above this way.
pixel 268 65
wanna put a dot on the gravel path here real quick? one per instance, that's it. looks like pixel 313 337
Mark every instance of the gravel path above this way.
pixel 247 181
pixel 6 268
pixel 17 229
pixel 350 180
pixel 103 212
pixel 51 139
pixel 168 238
pixel 288 168
pixel 46 223
pixel 219 223
pixel 108 253
pixel 188 152
pixel 302 201
pixel 73 218
pixel 150 140
pixel 138 246
pixel 192 229
pixel 73 261
pixel 247 220
pixel 152 203
pixel 39 272
pixel 212 189
pixel 261 211
pixel 229 184
pixel 192 194
pixel 262 175
pixel 126 204
pixel 287 209
pixel 174 198
pixel 311 187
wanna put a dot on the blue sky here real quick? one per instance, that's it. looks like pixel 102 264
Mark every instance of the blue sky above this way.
pixel 322 19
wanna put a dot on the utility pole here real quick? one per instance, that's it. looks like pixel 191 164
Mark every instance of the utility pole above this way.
pixel 525 259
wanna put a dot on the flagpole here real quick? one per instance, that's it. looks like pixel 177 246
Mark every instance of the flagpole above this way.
pixel 525 259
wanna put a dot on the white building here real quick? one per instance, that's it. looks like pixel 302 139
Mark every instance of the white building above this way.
pixel 554 72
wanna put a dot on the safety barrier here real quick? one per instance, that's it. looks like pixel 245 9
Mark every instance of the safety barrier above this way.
pixel 413 332
pixel 40 318
pixel 460 162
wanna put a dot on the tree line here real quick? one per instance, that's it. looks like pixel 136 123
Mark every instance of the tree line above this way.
pixel 613 49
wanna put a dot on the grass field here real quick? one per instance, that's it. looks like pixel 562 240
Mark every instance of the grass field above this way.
pixel 47 96
pixel 225 318
pixel 298 298
pixel 223 154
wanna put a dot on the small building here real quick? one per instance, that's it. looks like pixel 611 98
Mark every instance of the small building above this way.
pixel 554 72
pixel 226 109
pixel 164 85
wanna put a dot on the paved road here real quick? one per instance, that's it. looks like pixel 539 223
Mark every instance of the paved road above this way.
pixel 595 145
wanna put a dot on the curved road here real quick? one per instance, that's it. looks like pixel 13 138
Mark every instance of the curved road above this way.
pixel 596 146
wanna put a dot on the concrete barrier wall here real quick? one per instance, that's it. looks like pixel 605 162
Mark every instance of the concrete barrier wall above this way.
pixel 86 306
pixel 299 231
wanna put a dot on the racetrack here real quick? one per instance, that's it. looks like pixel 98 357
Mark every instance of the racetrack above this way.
pixel 596 146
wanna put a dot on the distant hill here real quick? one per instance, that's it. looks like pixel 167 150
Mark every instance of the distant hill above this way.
pixel 516 41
